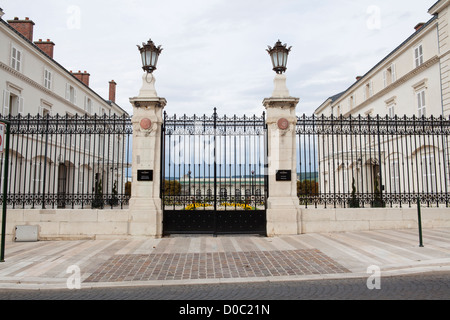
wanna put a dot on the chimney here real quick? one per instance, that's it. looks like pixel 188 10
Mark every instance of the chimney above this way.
pixel 1 12
pixel 83 77
pixel 112 91
pixel 419 26
pixel 46 46
pixel 358 78
pixel 25 27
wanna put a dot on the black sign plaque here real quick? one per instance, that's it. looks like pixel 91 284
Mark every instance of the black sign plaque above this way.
pixel 145 175
pixel 284 175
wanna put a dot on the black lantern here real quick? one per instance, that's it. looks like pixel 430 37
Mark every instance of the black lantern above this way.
pixel 279 54
pixel 149 55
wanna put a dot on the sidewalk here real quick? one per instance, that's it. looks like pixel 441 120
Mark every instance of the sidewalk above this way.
pixel 227 259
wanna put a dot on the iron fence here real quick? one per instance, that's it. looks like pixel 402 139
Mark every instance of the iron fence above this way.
pixel 373 161
pixel 68 161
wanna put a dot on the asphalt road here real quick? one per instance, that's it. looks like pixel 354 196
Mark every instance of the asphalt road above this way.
pixel 427 286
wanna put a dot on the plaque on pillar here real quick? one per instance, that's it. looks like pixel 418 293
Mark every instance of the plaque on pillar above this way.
pixel 145 175
pixel 284 175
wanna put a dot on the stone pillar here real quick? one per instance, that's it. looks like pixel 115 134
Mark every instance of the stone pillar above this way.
pixel 145 202
pixel 283 208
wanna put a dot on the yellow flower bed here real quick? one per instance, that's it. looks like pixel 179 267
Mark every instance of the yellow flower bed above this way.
pixel 193 206
pixel 241 205
pixel 197 205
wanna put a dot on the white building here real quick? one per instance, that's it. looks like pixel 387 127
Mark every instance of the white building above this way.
pixel 33 83
pixel 412 81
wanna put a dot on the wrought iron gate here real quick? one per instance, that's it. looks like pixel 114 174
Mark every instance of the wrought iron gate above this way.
pixel 213 174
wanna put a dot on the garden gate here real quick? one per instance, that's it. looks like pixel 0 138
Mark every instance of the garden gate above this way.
pixel 213 174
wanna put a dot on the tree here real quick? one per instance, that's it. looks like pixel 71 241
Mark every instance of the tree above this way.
pixel 307 189
pixel 377 201
pixel 172 188
pixel 98 195
pixel 114 200
pixel 354 202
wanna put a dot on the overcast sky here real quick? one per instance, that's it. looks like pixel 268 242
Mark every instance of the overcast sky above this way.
pixel 214 50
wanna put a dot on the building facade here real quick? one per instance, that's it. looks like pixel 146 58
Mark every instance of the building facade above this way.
pixel 410 83
pixel 34 87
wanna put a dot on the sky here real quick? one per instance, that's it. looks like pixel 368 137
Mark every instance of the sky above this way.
pixel 215 50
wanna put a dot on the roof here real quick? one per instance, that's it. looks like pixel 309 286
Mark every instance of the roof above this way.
pixel 59 65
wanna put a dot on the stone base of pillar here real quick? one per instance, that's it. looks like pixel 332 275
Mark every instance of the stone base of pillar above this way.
pixel 145 218
pixel 283 216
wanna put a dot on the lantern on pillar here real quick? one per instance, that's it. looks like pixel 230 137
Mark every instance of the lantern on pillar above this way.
pixel 279 55
pixel 149 55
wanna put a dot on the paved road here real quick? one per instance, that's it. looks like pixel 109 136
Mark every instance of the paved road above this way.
pixel 425 286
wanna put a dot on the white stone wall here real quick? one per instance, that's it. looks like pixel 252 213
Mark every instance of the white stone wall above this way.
pixel 115 224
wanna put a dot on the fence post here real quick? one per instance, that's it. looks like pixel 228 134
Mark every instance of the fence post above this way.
pixel 7 128
pixel 282 204
pixel 145 202
pixel 419 218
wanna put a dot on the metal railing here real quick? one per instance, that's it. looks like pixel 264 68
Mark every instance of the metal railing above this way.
pixel 69 161
pixel 366 161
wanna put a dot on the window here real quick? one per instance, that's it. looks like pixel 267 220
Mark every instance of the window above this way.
pixel 48 79
pixel 368 90
pixel 12 104
pixel 418 55
pixel 421 106
pixel 389 75
pixel 45 109
pixel 395 176
pixel 390 107
pixel 351 103
pixel 71 94
pixel 391 111
pixel 429 173
pixel 88 105
pixel 16 59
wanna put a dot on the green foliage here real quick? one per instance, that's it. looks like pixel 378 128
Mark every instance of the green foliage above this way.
pixel 377 198
pixel 354 202
pixel 172 187
pixel 98 196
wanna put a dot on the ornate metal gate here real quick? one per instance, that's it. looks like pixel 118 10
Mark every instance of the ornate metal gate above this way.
pixel 213 174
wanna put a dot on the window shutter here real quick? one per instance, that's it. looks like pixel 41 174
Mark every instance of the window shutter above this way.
pixel 18 60
pixel 371 88
pixel 394 73
pixel 13 58
pixel 74 96
pixel 6 96
pixel 67 92
pixel 21 106
pixel 385 78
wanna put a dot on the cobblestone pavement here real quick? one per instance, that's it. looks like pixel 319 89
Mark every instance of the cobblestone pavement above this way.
pixel 425 286
pixel 214 265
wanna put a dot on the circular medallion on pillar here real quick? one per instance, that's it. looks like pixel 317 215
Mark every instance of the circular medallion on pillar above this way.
pixel 283 124
pixel 146 124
